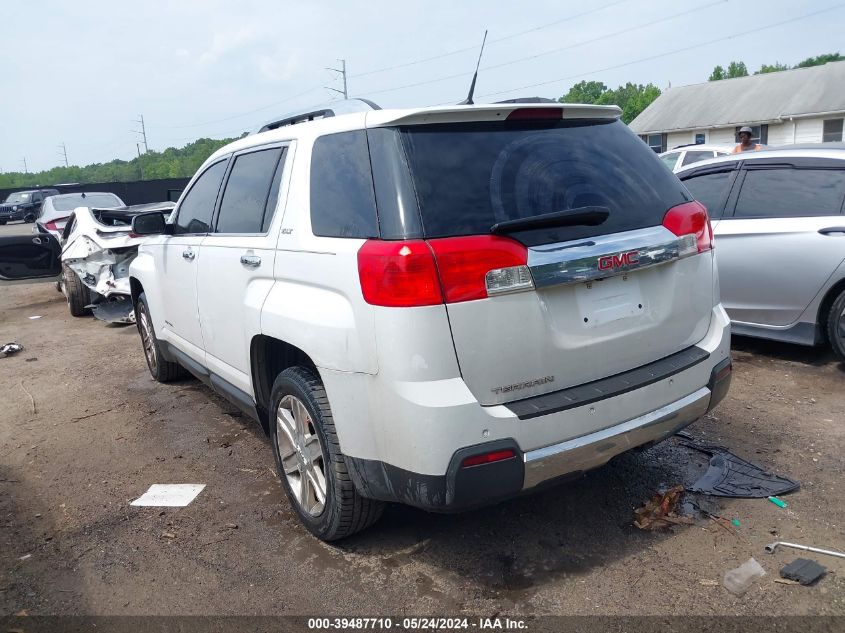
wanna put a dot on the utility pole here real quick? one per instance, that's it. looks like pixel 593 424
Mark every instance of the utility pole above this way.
pixel 140 166
pixel 25 170
pixel 64 153
pixel 142 132
pixel 342 72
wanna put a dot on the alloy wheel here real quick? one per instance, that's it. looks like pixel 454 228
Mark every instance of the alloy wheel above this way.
pixel 301 454
pixel 147 340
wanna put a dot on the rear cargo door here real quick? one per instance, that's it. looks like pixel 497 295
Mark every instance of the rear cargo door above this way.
pixel 610 290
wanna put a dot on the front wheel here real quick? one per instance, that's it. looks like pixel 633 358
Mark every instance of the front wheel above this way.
pixel 29 218
pixel 2 222
pixel 836 326
pixel 311 466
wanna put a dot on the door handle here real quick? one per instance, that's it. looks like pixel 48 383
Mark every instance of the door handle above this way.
pixel 252 261
pixel 189 255
pixel 833 230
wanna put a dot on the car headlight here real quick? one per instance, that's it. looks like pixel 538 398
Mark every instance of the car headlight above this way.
pixel 15 208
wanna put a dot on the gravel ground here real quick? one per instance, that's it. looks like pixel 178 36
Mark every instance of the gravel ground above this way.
pixel 83 431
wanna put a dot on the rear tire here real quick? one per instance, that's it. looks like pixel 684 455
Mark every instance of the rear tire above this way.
pixel 311 466
pixel 836 326
pixel 78 295
pixel 29 218
pixel 161 369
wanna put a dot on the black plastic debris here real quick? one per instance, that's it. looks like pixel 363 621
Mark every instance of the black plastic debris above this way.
pixel 732 476
pixel 117 311
pixel 10 348
pixel 803 570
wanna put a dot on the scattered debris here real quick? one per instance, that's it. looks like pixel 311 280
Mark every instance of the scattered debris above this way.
pixel 778 502
pixel 31 399
pixel 231 526
pixel 25 556
pixel 732 476
pixel 659 512
pixel 169 535
pixel 785 581
pixel 708 583
pixel 738 580
pixel 10 348
pixel 735 522
pixel 173 495
pixel 37 316
pixel 120 310
pixel 803 570
pixel 771 547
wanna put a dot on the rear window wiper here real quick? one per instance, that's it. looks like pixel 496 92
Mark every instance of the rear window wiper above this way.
pixel 580 216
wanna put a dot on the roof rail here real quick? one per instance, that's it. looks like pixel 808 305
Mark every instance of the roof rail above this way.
pixel 335 108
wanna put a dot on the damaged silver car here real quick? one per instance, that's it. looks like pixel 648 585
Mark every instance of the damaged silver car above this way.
pixel 97 248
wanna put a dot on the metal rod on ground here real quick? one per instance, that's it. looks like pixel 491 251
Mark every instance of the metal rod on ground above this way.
pixel 771 547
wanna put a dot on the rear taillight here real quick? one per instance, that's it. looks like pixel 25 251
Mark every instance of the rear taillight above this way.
pixel 689 221
pixel 398 274
pixel 534 114
pixel 450 270
pixel 56 225
pixel 488 458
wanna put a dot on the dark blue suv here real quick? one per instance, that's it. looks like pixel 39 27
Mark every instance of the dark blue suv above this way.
pixel 24 205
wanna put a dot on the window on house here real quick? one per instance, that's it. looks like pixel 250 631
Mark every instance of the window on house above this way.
pixel 656 142
pixel 699 139
pixel 832 131
pixel 759 133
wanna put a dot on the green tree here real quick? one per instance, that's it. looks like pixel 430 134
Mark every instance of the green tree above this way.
pixel 632 98
pixel 735 69
pixel 820 60
pixel 771 68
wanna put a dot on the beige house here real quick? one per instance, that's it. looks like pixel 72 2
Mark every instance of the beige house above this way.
pixel 805 105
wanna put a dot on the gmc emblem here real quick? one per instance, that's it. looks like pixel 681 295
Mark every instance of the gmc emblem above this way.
pixel 609 262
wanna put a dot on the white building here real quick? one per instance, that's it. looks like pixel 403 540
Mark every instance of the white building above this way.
pixel 805 105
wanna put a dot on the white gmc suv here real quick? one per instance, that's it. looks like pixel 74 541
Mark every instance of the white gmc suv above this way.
pixel 443 306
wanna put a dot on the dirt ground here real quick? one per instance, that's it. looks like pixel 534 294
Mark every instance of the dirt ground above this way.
pixel 84 430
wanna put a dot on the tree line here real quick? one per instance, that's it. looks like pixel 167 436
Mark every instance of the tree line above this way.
pixel 183 162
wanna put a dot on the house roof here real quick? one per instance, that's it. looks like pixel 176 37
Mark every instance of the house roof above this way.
pixel 752 99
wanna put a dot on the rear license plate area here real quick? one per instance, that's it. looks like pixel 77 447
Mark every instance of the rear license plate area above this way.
pixel 607 300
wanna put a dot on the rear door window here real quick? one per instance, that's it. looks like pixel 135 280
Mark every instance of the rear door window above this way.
pixel 710 189
pixel 470 176
pixel 194 215
pixel 789 192
pixel 670 159
pixel 246 198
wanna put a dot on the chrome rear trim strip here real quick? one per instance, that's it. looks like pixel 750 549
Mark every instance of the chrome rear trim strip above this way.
pixel 604 256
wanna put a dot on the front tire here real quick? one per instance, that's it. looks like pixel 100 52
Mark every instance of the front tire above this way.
pixel 308 457
pixel 161 369
pixel 76 292
pixel 29 218
pixel 836 326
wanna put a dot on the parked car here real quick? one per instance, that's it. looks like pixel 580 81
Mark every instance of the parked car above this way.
pixel 684 155
pixel 56 210
pixel 24 205
pixel 97 249
pixel 778 221
pixel 443 307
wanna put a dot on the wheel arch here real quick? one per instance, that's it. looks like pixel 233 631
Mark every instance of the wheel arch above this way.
pixel 824 308
pixel 269 357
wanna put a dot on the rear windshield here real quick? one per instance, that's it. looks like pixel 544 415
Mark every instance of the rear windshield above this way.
pixel 470 176
pixel 93 200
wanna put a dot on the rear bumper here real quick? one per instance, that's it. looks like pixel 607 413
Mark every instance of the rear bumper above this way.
pixel 462 488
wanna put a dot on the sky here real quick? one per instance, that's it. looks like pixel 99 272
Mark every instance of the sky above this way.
pixel 81 72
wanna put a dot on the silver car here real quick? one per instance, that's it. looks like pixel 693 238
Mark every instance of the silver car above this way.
pixel 57 209
pixel 778 221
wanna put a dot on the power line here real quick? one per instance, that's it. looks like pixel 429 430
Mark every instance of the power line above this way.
pixel 493 41
pixel 554 50
pixel 243 114
pixel 666 54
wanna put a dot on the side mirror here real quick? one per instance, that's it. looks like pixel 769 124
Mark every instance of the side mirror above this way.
pixel 151 223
